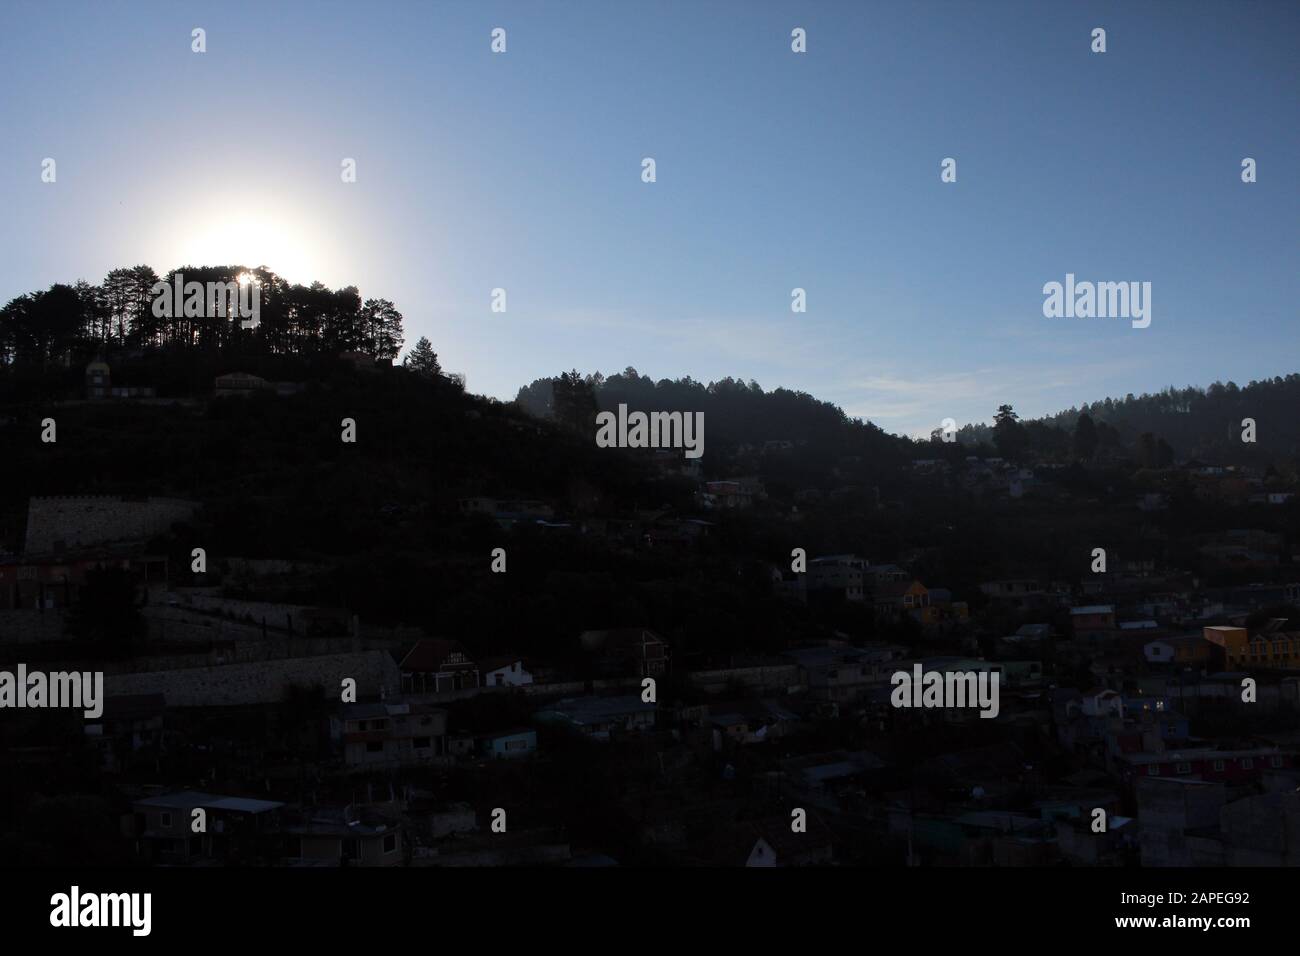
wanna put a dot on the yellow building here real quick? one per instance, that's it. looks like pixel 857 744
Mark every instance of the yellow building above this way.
pixel 1271 648
pixel 898 598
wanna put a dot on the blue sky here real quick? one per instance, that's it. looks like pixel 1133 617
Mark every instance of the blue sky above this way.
pixel 775 170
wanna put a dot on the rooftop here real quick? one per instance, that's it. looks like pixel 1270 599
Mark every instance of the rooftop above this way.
pixel 191 799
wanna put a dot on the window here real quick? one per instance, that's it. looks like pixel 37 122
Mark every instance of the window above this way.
pixel 1275 761
pixel 1153 770
pixel 1247 763
pixel 1218 766
pixel 390 842
pixel 1184 768
pixel 166 820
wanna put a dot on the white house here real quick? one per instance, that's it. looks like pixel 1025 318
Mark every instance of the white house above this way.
pixel 1100 702
pixel 507 671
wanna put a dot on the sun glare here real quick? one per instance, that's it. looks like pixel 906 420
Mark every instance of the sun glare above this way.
pixel 251 241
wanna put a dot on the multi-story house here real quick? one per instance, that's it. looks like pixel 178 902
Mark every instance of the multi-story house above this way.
pixel 898 599
pixel 1271 648
pixel 836 576
pixel 390 734
pixel 1232 767
pixel 628 651
pixel 836 674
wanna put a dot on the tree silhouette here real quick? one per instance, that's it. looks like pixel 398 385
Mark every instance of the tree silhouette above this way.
pixel 66 323
pixel 1085 437
pixel 423 360
pixel 1008 433
pixel 575 402
pixel 382 329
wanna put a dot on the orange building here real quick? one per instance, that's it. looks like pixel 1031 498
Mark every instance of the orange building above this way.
pixel 1273 647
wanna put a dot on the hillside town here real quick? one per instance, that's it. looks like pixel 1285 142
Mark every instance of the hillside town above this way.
pixel 1148 706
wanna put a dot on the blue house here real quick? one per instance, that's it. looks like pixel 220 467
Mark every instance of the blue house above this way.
pixel 519 742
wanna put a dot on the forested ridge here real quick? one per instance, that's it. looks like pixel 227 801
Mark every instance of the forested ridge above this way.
pixel 66 323
pixel 47 337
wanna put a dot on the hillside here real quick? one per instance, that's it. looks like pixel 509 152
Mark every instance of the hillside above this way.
pixel 1200 423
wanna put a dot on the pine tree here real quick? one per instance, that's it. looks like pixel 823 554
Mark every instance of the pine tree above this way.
pixel 423 360
pixel 1008 434
pixel 1085 437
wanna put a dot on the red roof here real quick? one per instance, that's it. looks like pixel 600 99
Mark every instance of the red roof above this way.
pixel 432 654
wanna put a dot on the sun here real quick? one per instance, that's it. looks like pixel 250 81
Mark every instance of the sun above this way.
pixel 251 240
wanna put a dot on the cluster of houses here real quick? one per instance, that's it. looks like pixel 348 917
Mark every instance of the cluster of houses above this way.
pixel 988 477
pixel 1235 485
pixel 1143 716
pixel 1127 750
pixel 890 590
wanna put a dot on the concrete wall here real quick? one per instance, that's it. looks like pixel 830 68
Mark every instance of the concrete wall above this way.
pixel 279 616
pixel 93 520
pixel 264 682
pixel 267 567
pixel 246 652
pixel 178 624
